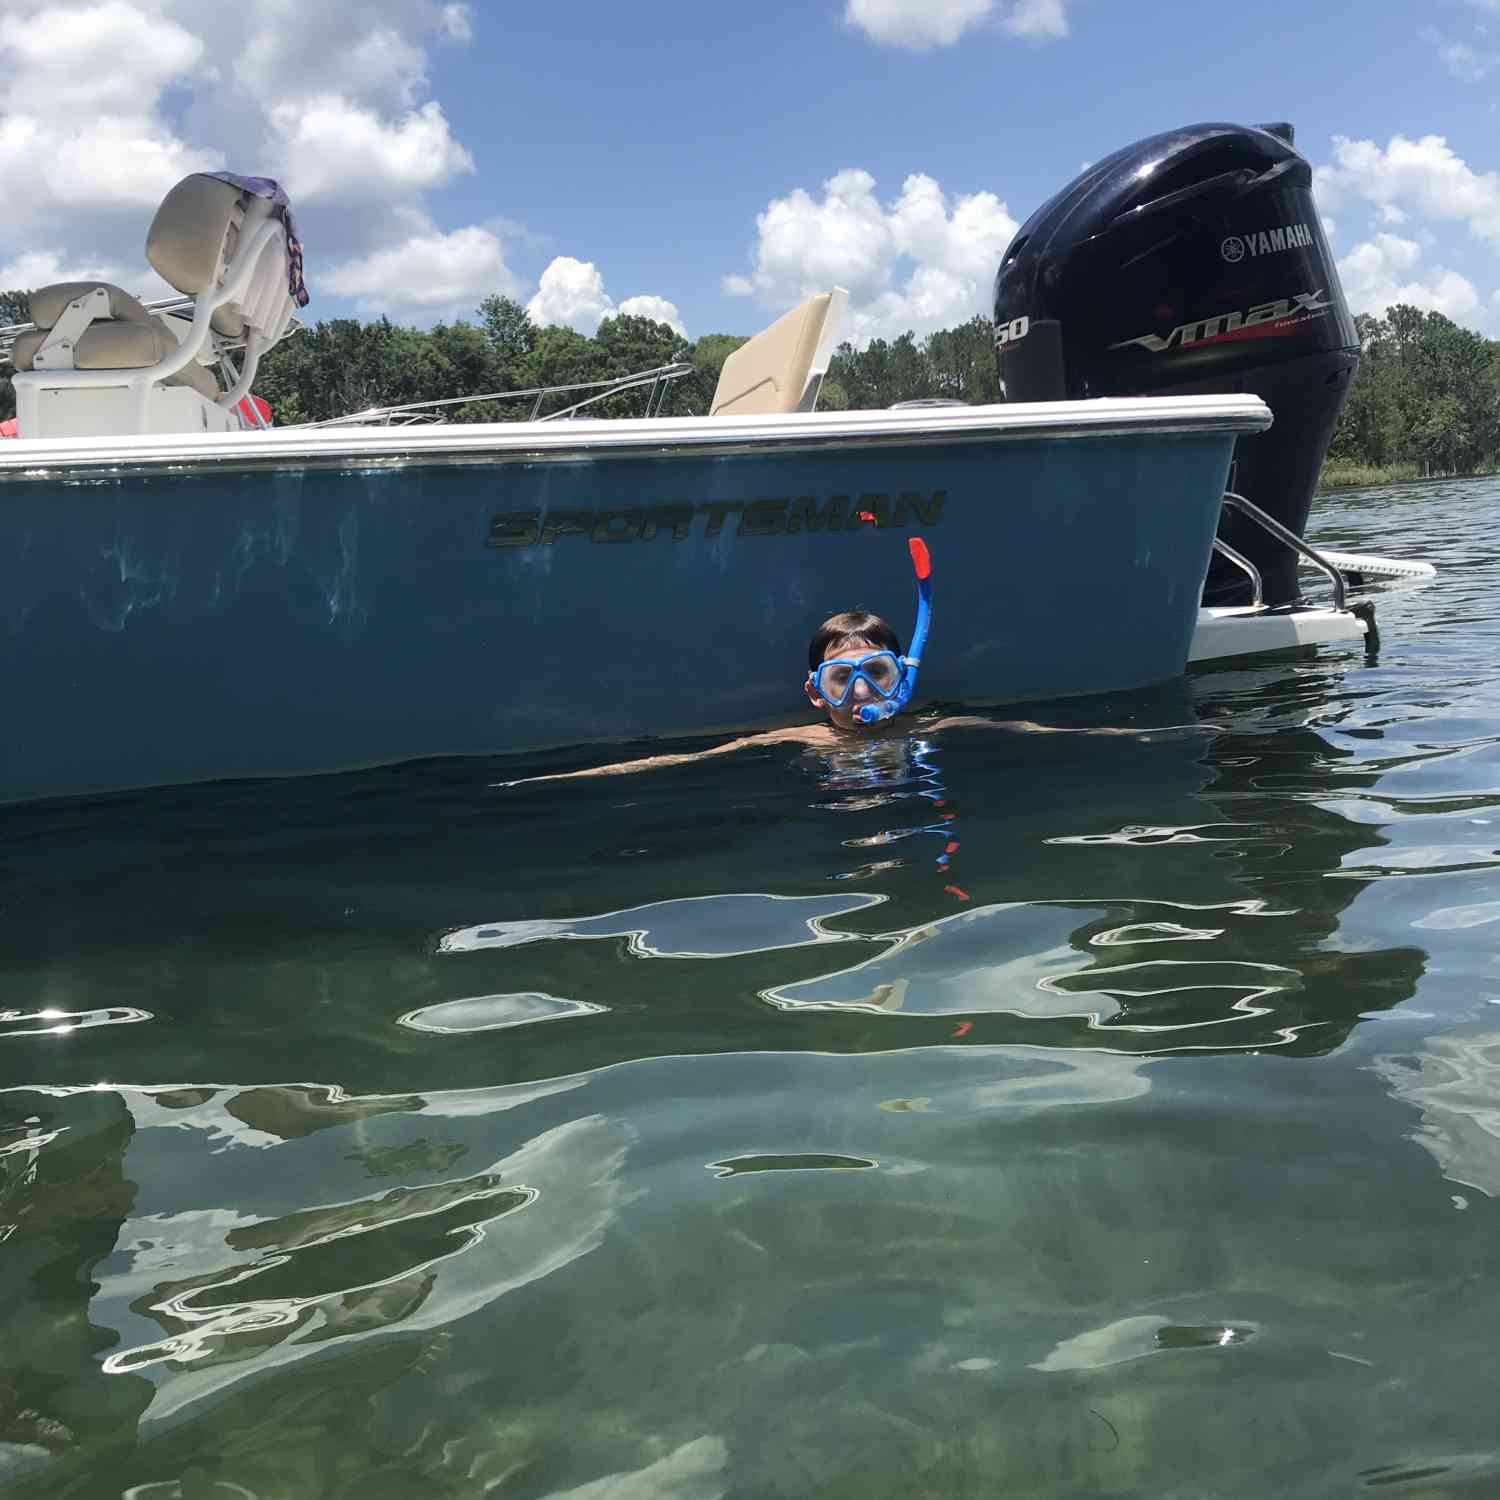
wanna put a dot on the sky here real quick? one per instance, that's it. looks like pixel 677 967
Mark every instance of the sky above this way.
pixel 710 163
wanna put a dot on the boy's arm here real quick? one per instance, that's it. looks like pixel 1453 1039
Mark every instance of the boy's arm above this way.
pixel 807 734
pixel 1026 726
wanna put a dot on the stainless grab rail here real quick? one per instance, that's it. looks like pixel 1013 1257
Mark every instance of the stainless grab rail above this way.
pixel 1292 540
pixel 662 375
pixel 1243 563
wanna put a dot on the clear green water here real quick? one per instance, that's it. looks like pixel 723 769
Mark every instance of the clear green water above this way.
pixel 687 1136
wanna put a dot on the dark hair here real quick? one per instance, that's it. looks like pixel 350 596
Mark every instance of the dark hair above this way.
pixel 854 625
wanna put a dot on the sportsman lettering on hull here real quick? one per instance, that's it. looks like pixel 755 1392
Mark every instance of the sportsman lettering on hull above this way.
pixel 642 523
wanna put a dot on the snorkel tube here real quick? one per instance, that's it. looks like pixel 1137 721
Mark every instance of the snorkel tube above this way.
pixel 872 713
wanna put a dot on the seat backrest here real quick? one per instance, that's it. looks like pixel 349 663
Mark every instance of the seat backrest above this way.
pixel 781 369
pixel 195 239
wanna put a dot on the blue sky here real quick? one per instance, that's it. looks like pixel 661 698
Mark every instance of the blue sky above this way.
pixel 711 163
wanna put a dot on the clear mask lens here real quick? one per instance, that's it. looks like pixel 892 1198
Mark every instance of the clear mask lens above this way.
pixel 836 681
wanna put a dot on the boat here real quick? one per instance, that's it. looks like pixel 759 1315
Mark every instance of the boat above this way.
pixel 187 594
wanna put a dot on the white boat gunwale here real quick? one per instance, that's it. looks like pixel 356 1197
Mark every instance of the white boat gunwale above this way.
pixel 502 442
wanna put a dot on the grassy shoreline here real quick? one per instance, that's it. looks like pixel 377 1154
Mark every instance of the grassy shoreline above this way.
pixel 1343 476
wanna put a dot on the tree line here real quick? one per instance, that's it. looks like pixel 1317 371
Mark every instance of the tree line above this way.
pixel 1426 398
pixel 344 365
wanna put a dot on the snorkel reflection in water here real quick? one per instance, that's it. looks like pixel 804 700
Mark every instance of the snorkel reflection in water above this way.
pixel 888 680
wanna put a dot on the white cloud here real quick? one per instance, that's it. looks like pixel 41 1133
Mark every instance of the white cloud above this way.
pixel 571 293
pixel 1424 175
pixel 920 262
pixel 1467 64
pixel 78 131
pixel 1037 18
pixel 922 24
pixel 333 148
pixel 431 272
pixel 105 104
pixel 1386 270
pixel 916 23
pixel 456 23
pixel 658 309
pixel 36 268
pixel 103 58
pixel 104 163
pixel 274 51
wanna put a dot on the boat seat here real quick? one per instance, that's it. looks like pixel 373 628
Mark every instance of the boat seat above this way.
pixel 194 240
pixel 781 369
pixel 122 335
pixel 99 362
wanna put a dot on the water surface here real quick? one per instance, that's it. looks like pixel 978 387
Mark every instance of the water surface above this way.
pixel 987 1114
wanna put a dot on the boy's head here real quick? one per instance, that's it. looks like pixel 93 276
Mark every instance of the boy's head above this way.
pixel 847 637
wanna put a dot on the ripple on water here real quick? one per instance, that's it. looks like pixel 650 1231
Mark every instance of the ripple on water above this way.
pixel 50 1021
pixel 1135 1338
pixel 719 926
pixel 804 1161
pixel 496 1012
pixel 1039 960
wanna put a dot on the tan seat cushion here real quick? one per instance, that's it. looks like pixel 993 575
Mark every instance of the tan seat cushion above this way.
pixel 48 302
pixel 121 345
pixel 770 373
pixel 187 235
pixel 200 379
pixel 105 346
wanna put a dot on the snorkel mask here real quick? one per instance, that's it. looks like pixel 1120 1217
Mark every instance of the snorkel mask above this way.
pixel 891 679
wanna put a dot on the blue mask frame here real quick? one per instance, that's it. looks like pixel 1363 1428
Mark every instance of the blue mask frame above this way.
pixel 859 674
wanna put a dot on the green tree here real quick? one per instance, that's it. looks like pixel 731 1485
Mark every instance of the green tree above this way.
pixel 15 307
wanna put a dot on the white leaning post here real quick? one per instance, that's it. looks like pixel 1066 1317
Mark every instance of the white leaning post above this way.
pixel 252 271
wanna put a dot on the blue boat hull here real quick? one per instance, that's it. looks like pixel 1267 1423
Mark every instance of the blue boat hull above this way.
pixel 212 622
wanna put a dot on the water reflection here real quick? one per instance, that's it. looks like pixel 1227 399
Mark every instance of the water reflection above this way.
pixel 725 926
pixel 495 1012
pixel 1134 1338
pixel 1454 1082
pixel 986 1111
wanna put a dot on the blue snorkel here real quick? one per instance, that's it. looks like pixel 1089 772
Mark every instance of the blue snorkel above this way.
pixel 921 562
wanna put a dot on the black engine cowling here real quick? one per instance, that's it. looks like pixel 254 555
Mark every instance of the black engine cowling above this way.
pixel 1192 262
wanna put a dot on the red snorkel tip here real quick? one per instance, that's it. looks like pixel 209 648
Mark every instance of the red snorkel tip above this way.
pixel 919 557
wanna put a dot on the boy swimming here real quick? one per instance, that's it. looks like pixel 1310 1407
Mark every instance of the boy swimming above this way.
pixel 857 674
pixel 855 668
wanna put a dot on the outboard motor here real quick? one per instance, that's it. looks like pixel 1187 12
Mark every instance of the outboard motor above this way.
pixel 1192 263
